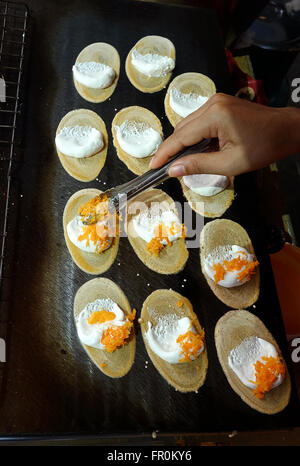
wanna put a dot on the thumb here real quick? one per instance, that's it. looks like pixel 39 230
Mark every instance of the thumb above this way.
pixel 211 163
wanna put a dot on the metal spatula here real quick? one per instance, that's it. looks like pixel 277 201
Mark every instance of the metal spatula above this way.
pixel 120 195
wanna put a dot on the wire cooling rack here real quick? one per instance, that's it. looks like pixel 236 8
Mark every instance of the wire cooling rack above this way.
pixel 14 30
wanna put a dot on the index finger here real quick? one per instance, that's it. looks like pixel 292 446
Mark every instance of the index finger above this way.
pixel 192 133
pixel 170 147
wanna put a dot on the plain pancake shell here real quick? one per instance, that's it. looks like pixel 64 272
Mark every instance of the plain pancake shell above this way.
pixel 155 45
pixel 171 259
pixel 231 329
pixel 226 232
pixel 210 206
pixel 119 362
pixel 91 263
pixel 102 53
pixel 139 115
pixel 87 168
pixel 188 83
pixel 184 377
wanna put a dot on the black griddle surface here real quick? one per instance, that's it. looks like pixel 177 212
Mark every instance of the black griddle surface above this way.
pixel 49 385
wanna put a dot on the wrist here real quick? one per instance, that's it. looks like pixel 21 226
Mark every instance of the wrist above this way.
pixel 291 119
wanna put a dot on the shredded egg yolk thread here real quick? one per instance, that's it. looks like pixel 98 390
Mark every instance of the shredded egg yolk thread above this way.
pixel 219 272
pixel 95 208
pixel 266 374
pixel 90 234
pixel 191 343
pixel 162 233
pixel 247 269
pixel 99 317
pixel 115 336
pixel 97 231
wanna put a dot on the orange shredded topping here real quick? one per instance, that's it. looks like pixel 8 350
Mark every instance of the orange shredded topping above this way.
pixel 190 343
pixel 219 272
pixel 155 246
pixel 162 233
pixel 96 207
pixel 235 264
pixel 248 271
pixel 103 365
pixel 177 229
pixel 90 234
pixel 131 316
pixel 266 374
pixel 179 303
pixel 115 336
pixel 99 317
pixel 103 225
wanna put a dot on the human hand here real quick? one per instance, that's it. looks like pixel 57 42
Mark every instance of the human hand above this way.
pixel 251 136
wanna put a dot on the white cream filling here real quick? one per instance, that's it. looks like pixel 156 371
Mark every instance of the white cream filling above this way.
pixel 243 357
pixel 91 334
pixel 185 104
pixel 152 65
pixel 228 252
pixel 75 228
pixel 146 223
pixel 79 141
pixel 137 139
pixel 93 74
pixel 206 185
pixel 162 338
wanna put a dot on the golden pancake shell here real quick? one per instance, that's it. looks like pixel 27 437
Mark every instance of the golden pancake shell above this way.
pixel 226 232
pixel 231 329
pixel 171 259
pixel 139 115
pixel 187 376
pixel 210 206
pixel 119 362
pixel 91 263
pixel 155 45
pixel 102 53
pixel 87 168
pixel 186 83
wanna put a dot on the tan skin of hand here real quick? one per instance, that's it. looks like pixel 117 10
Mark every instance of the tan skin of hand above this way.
pixel 251 136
